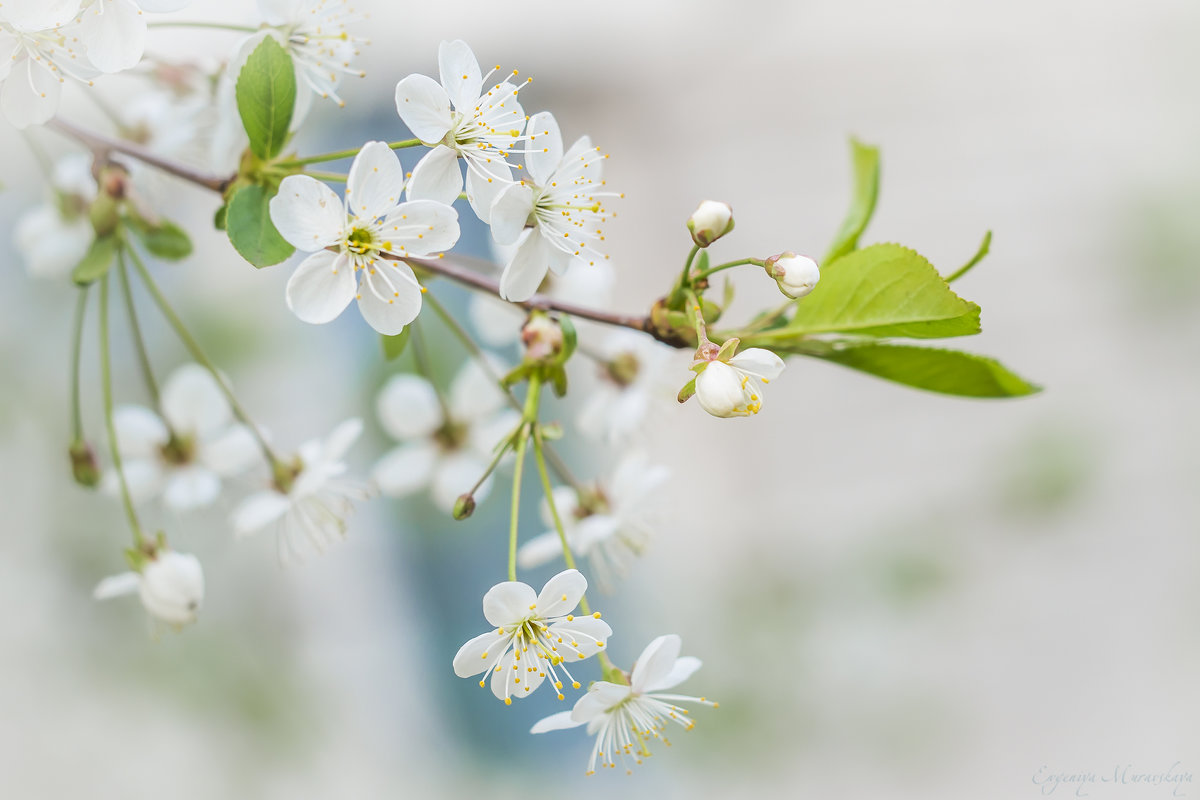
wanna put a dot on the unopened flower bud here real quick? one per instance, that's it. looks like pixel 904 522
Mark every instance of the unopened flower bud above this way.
pixel 709 222
pixel 172 587
pixel 542 337
pixel 464 506
pixel 83 465
pixel 796 275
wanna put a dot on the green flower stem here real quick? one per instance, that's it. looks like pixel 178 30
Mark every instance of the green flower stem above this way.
pixel 506 446
pixel 685 278
pixel 758 262
pixel 528 422
pixel 698 314
pixel 539 447
pixel 216 26
pixel 335 177
pixel 136 329
pixel 456 327
pixel 76 348
pixel 139 538
pixel 340 154
pixel 278 467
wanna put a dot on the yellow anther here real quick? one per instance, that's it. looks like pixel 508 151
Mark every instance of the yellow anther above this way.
pixel 508 701
pixel 596 615
pixel 575 685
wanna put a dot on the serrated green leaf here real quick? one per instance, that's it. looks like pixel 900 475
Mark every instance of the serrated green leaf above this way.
pixel 266 97
pixel 862 204
pixel 248 223
pixel 165 240
pixel 393 346
pixel 882 290
pixel 945 371
pixel 97 261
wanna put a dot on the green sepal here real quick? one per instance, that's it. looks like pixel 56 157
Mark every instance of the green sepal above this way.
pixel 219 217
pixel 266 97
pixel 687 391
pixel 862 205
pixel 97 261
pixel 551 431
pixel 728 349
pixel 570 341
pixel 248 223
pixel 393 346
pixel 518 374
pixel 557 378
pixel 136 559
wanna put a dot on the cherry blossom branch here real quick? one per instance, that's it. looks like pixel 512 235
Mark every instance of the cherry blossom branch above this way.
pixel 101 146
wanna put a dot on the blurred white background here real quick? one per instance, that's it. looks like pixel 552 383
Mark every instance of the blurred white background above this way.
pixel 895 594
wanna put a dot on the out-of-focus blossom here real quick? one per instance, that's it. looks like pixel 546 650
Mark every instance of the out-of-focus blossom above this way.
pixel 170 585
pixel 40 48
pixel 114 31
pixel 54 236
pixel 634 377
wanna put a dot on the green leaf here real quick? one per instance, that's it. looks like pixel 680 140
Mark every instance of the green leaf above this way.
pixel 219 217
pixel 984 248
pixel 945 371
pixel 862 204
pixel 393 346
pixel 97 261
pixel 248 223
pixel 266 97
pixel 882 290
pixel 165 240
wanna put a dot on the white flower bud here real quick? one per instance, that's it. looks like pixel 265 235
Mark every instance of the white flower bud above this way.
pixel 796 275
pixel 710 221
pixel 172 587
pixel 720 390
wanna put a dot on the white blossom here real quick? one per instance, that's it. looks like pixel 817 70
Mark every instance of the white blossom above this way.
pixel 315 34
pixel 458 119
pixel 709 222
pixel 538 630
pixel 369 223
pixel 623 718
pixel 114 31
pixel 796 275
pixel 562 202
pixel 185 453
pixel 170 585
pixel 634 377
pixel 54 236
pixel 443 449
pixel 734 388
pixel 314 506
pixel 39 49
pixel 610 525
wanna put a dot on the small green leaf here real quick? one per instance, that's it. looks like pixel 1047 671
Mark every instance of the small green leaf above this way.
pixel 862 204
pixel 882 290
pixel 558 380
pixel 984 248
pixel 393 346
pixel 248 223
pixel 165 240
pixel 266 97
pixel 219 217
pixel 97 261
pixel 945 371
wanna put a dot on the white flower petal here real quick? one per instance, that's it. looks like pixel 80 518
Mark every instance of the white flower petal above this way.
pixel 474 393
pixel 117 585
pixel 485 180
pixel 420 228
pixel 566 501
pixel 541 549
pixel 545 147
pixel 140 432
pixel 601 696
pixel 508 603
pixel 510 212
pixel 258 511
pixel 594 530
pixel 115 35
pixel 163 6
pixel 406 469
pixel 321 287
pixel 51 245
pixel 424 107
pixel 375 181
pixel 720 390
pixel 389 297
pixel 307 213
pixel 555 722
pixel 655 663
pixel 479 654
pixel 172 587
pixel 193 403
pixel 496 321
pixel 460 74
pixel 36 15
pixel 455 474
pixel 580 638
pixel 561 593
pixel 191 487
pixel 683 669
pixel 231 453
pixel 30 94
pixel 525 272
pixel 341 439
pixel 487 433
pixel 436 176
pixel 758 362
pixel 408 407
pixel 143 476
